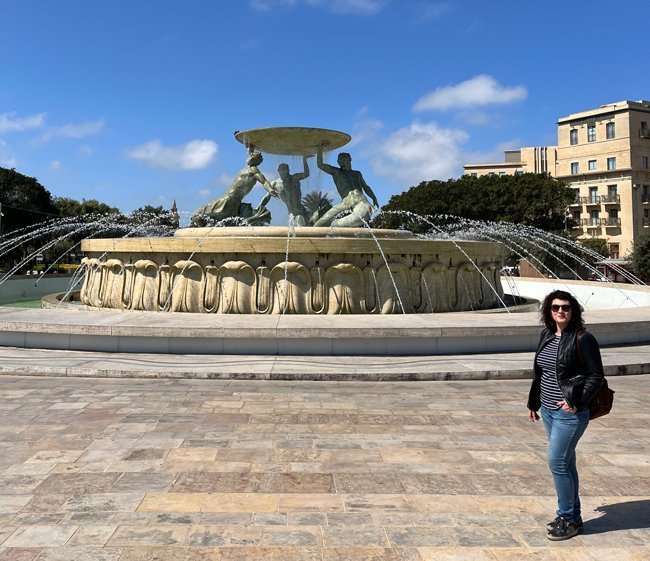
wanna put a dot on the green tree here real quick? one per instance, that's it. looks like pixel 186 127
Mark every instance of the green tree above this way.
pixel 67 206
pixel 530 199
pixel 599 245
pixel 71 207
pixel 639 257
pixel 24 201
pixel 155 215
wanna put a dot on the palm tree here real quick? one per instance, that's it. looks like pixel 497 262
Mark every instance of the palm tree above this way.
pixel 316 200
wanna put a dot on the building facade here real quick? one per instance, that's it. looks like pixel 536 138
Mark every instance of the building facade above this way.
pixel 603 154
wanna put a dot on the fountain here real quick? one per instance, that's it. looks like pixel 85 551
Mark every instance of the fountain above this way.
pixel 325 265
pixel 339 288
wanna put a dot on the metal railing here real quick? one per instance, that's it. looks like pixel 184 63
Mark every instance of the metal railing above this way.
pixel 590 200
pixel 611 221
pixel 610 199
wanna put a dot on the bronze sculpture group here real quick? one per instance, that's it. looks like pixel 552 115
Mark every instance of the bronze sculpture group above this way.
pixel 353 211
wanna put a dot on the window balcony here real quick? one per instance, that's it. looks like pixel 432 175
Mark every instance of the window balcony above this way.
pixel 612 222
pixel 645 199
pixel 592 222
pixel 611 199
pixel 646 222
pixel 644 133
pixel 576 202
pixel 590 200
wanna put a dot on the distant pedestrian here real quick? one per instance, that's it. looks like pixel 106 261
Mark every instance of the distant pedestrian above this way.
pixel 568 372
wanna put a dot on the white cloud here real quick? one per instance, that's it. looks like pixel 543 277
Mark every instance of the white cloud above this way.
pixel 196 154
pixel 55 165
pixel 85 151
pixel 356 6
pixel 365 129
pixel 6 160
pixel 367 7
pixel 475 92
pixel 224 180
pixel 420 152
pixel 428 11
pixel 204 193
pixel 495 155
pixel 78 130
pixel 9 122
pixel 260 5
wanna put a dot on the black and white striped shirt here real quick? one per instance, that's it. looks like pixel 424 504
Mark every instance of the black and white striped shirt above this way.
pixel 547 360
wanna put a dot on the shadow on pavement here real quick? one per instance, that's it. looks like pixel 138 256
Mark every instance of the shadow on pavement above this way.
pixel 620 516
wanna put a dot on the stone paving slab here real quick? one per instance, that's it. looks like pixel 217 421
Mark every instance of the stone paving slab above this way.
pixel 162 470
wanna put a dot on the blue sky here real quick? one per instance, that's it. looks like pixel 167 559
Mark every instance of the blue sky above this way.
pixel 136 102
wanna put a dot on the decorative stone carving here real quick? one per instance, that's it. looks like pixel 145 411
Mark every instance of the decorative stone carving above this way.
pixel 325 274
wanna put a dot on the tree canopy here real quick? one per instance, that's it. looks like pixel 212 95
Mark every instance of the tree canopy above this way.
pixel 531 199
pixel 71 207
pixel 640 257
pixel 24 200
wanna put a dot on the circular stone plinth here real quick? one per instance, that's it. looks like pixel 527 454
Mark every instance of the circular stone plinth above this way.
pixel 292 141
pixel 285 232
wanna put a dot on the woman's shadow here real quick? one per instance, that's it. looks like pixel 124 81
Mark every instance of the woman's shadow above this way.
pixel 631 515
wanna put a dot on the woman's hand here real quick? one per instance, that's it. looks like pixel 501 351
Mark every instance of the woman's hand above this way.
pixel 533 416
pixel 565 407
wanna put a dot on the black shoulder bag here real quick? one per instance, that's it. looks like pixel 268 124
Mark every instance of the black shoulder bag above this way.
pixel 602 402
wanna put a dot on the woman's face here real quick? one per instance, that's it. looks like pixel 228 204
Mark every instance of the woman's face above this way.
pixel 561 312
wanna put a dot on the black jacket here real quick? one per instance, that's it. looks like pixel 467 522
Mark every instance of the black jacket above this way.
pixel 579 374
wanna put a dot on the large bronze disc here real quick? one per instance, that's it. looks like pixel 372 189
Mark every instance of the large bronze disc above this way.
pixel 292 141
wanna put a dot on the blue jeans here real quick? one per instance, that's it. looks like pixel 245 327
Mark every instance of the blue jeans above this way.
pixel 563 431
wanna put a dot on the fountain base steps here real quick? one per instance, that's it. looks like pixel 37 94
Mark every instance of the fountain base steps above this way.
pixel 300 335
pixel 618 361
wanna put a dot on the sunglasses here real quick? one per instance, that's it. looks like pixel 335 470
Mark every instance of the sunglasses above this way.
pixel 563 307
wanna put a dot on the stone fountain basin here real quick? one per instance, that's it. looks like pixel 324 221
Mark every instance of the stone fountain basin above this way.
pixel 274 270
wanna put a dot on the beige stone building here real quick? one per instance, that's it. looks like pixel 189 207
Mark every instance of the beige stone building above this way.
pixel 603 154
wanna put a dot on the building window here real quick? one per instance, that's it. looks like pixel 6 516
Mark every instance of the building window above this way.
pixel 613 251
pixel 612 192
pixel 576 195
pixel 501 173
pixel 576 216
pixel 593 195
pixel 613 213
pixel 592 164
pixel 611 163
pixel 644 162
pixel 594 218
pixel 575 168
pixel 519 172
pixel 573 135
pixel 611 130
pixel 591 133
pixel 474 174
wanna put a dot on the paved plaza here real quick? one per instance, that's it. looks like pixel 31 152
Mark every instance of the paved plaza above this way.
pixel 223 470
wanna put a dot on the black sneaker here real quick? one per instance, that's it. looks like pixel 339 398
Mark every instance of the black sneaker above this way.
pixel 563 530
pixel 579 523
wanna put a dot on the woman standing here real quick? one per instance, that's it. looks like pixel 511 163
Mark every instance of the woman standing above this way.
pixel 568 372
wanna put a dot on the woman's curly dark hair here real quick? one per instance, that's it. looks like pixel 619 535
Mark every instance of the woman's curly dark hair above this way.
pixel 575 323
